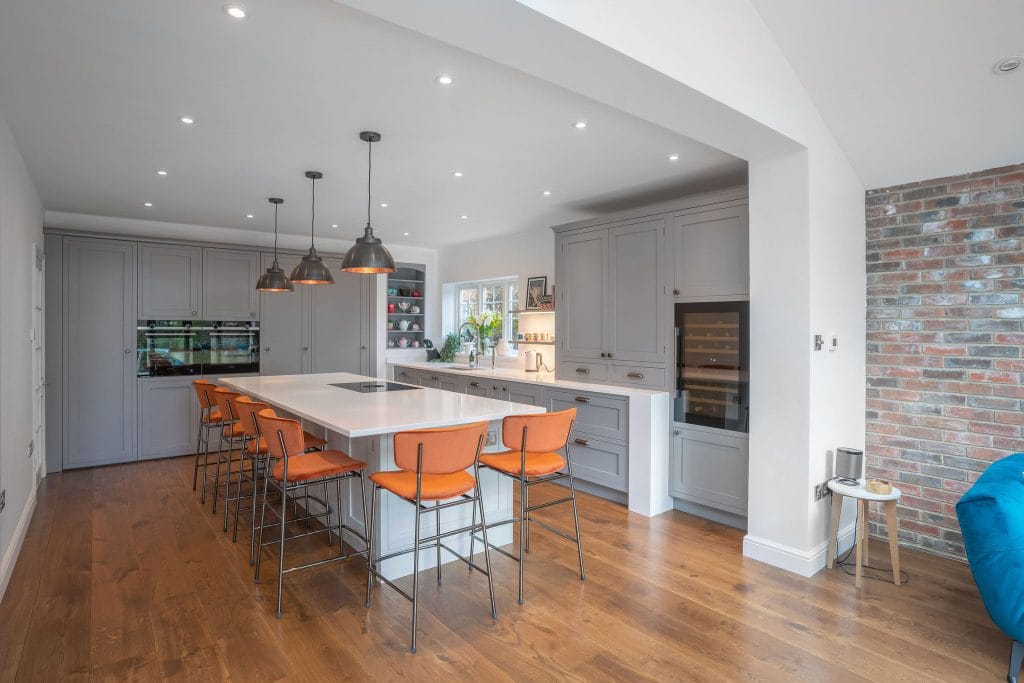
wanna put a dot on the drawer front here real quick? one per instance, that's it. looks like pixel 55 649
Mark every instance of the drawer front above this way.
pixel 530 394
pixel 407 376
pixel 638 376
pixel 582 371
pixel 599 462
pixel 596 414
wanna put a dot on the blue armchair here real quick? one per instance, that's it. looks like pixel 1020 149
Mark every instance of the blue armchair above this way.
pixel 991 517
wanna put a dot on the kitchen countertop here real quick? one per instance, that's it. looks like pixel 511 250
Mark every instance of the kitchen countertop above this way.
pixel 542 378
pixel 355 414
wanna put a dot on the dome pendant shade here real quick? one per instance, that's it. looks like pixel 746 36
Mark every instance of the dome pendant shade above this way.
pixel 368 254
pixel 311 269
pixel 274 280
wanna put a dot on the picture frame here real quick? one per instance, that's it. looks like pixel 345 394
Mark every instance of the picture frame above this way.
pixel 536 289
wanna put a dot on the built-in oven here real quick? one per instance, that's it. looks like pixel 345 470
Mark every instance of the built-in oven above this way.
pixel 197 347
pixel 712 364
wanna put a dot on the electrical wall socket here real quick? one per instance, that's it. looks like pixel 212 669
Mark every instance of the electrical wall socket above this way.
pixel 3 500
pixel 821 490
pixel 492 438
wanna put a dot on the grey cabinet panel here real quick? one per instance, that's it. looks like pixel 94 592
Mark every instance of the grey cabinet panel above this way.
pixel 582 371
pixel 284 332
pixel 340 323
pixel 638 298
pixel 99 408
pixel 477 386
pixel 449 383
pixel 54 352
pixel 529 394
pixel 710 469
pixel 582 288
pixel 406 376
pixel 229 284
pixel 638 375
pixel 170 282
pixel 168 417
pixel 596 414
pixel 711 251
pixel 599 462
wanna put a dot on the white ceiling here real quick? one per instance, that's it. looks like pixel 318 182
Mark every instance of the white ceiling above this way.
pixel 93 90
pixel 907 86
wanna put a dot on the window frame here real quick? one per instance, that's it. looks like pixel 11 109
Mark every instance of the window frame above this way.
pixel 510 303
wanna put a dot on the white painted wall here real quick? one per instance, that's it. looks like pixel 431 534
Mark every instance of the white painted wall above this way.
pixel 711 70
pixel 21 225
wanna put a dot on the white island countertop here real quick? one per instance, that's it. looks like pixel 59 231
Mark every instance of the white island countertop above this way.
pixel 354 414
pixel 546 379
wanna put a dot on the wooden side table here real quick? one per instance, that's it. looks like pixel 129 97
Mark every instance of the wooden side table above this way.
pixel 863 497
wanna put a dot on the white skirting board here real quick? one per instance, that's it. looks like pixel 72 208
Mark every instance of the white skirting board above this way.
pixel 804 563
pixel 14 549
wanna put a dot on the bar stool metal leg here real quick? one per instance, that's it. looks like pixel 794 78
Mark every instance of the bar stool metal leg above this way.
pixel 280 554
pixel 437 532
pixel 199 443
pixel 575 517
pixel 416 559
pixel 522 529
pixel 369 543
pixel 487 546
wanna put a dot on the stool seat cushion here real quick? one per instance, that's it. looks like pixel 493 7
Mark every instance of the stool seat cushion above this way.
pixel 310 441
pixel 212 416
pixel 434 486
pixel 991 516
pixel 537 464
pixel 316 465
pixel 234 430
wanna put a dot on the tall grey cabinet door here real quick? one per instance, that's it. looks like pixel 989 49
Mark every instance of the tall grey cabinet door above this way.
pixel 168 417
pixel 229 284
pixel 638 283
pixel 284 328
pixel 53 390
pixel 99 352
pixel 582 292
pixel 712 253
pixel 170 282
pixel 340 323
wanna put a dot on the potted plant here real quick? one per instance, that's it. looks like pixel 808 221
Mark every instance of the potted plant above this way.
pixel 486 324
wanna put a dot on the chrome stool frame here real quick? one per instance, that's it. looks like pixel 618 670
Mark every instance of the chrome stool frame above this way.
pixel 206 425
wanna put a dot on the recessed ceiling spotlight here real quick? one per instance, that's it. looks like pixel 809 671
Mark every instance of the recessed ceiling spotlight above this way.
pixel 334 225
pixel 383 205
pixel 580 124
pixel 1005 66
pixel 444 79
pixel 463 216
pixel 546 193
pixel 457 174
pixel 235 11
pixel 187 120
pixel 148 204
pixel 250 216
pixel 405 234
pixel 161 172
pixel 673 157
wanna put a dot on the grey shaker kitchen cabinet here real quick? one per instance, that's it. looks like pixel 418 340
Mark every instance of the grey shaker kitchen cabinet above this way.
pixel 711 253
pixel 530 394
pixel 170 282
pixel 98 339
pixel 284 335
pixel 168 417
pixel 709 467
pixel 638 273
pixel 229 284
pixel 340 323
pixel 53 389
pixel 583 315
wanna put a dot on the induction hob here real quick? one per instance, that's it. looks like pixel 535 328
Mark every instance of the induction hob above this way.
pixel 374 387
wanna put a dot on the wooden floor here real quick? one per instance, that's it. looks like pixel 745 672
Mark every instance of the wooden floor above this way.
pixel 123 575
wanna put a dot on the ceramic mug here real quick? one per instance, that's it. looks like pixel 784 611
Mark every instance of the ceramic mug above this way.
pixel 391 308
pixel 416 293
pixel 391 324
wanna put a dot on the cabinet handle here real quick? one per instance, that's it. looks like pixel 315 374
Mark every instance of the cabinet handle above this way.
pixel 193 312
pixel 266 348
pixel 474 384
pixel 504 388
pixel 305 348
pixel 609 355
pixel 635 375
pixel 675 292
pixel 404 374
pixel 581 442
pixel 582 399
pixel 675 432
pixel 583 371
pixel 127 352
pixel 604 355
pixel 433 377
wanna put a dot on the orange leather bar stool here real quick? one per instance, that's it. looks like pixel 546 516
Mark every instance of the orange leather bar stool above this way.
pixel 432 468
pixel 293 469
pixel 533 458
pixel 254 445
pixel 230 431
pixel 209 419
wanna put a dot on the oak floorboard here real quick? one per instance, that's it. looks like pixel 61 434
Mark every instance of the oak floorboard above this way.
pixel 125 576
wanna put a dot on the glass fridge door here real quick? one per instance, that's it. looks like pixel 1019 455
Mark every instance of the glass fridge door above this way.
pixel 712 374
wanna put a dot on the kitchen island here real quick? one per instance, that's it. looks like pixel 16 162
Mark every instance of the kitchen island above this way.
pixel 359 415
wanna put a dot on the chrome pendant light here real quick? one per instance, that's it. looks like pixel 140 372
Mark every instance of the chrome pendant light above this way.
pixel 274 280
pixel 311 269
pixel 368 254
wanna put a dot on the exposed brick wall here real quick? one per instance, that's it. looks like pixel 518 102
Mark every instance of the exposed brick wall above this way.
pixel 944 342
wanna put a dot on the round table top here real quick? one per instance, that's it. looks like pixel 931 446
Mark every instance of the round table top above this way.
pixel 860 491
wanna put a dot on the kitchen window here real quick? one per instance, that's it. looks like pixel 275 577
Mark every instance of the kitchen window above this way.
pixel 468 298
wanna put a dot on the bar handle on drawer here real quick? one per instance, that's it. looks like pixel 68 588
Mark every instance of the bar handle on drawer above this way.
pixel 585 371
pixel 581 442
pixel 474 384
pixel 582 399
pixel 635 375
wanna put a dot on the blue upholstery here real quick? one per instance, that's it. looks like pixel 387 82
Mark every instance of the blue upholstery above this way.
pixel 992 520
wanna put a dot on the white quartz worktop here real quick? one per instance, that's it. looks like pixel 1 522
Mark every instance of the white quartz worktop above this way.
pixel 355 414
pixel 543 378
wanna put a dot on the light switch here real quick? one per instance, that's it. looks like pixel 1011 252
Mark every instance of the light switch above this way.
pixel 833 344
pixel 819 341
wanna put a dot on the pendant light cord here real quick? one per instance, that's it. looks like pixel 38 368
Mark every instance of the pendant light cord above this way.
pixel 312 218
pixel 369 178
pixel 275 232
